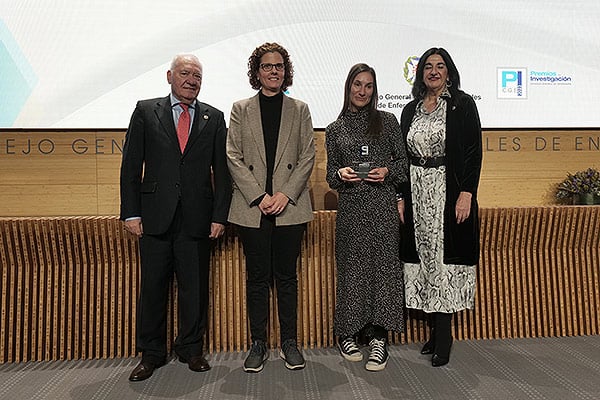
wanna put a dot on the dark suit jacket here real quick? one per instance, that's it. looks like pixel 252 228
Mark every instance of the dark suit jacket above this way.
pixel 155 175
pixel 463 167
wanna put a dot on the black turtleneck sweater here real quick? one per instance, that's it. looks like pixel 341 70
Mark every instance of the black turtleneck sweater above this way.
pixel 270 115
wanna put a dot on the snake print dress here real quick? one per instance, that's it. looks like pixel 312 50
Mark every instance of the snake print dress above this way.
pixel 433 286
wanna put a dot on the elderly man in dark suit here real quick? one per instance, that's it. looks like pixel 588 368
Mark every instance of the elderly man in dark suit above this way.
pixel 175 195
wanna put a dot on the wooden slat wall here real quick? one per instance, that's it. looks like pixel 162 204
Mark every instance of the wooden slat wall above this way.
pixel 69 285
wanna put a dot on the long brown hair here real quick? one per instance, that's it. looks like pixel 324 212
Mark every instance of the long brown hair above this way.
pixel 375 124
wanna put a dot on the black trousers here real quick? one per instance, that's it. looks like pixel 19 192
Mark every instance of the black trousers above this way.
pixel 161 256
pixel 271 254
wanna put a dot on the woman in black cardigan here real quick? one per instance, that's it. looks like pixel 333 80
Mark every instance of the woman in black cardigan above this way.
pixel 438 207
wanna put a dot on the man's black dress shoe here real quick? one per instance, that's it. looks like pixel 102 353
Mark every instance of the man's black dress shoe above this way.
pixel 428 347
pixel 196 363
pixel 143 371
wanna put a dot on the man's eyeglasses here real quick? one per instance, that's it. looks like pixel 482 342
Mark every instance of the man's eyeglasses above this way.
pixel 268 66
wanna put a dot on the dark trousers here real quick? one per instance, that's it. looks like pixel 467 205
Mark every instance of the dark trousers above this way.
pixel 271 254
pixel 443 333
pixel 161 256
pixel 440 334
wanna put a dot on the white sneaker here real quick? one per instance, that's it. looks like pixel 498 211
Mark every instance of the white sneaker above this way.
pixel 379 355
pixel 349 349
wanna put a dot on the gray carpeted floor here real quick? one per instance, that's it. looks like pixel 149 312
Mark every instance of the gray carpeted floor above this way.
pixel 548 368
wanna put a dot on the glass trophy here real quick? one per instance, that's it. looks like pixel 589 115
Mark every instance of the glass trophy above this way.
pixel 362 168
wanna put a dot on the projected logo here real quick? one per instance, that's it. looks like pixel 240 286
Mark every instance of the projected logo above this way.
pixel 512 83
pixel 410 69
pixel 549 78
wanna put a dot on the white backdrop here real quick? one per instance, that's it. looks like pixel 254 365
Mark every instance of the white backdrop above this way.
pixel 84 63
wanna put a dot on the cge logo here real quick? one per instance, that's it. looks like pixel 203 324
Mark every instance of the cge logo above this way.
pixel 410 69
pixel 512 83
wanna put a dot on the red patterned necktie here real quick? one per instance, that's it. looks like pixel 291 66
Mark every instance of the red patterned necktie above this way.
pixel 183 126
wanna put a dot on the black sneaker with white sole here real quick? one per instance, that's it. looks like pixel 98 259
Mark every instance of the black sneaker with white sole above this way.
pixel 291 355
pixel 349 349
pixel 255 361
pixel 379 356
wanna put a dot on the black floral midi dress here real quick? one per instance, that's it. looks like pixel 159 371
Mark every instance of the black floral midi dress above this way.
pixel 370 286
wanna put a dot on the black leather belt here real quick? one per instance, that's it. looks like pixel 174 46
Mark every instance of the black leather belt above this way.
pixel 428 162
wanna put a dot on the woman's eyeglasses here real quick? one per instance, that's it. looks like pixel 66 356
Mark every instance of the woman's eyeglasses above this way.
pixel 268 66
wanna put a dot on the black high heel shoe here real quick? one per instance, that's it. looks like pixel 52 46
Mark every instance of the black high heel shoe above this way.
pixel 428 347
pixel 441 357
pixel 438 361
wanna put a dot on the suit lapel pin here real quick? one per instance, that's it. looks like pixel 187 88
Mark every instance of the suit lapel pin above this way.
pixel 453 108
pixel 205 116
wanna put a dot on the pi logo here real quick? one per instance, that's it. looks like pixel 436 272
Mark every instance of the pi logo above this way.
pixel 512 83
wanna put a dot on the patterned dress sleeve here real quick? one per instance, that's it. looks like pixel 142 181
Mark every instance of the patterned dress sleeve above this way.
pixel 333 158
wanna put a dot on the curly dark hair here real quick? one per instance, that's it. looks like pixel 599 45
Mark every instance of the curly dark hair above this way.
pixel 254 64
pixel 419 88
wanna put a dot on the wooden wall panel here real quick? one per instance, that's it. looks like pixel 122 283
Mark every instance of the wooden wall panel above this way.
pixel 108 199
pixel 43 199
pixel 526 173
pixel 60 170
pixel 69 285
pixel 56 173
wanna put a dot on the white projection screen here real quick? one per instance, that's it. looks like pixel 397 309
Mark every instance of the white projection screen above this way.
pixel 83 64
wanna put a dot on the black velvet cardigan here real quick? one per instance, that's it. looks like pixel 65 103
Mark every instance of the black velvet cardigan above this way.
pixel 463 167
